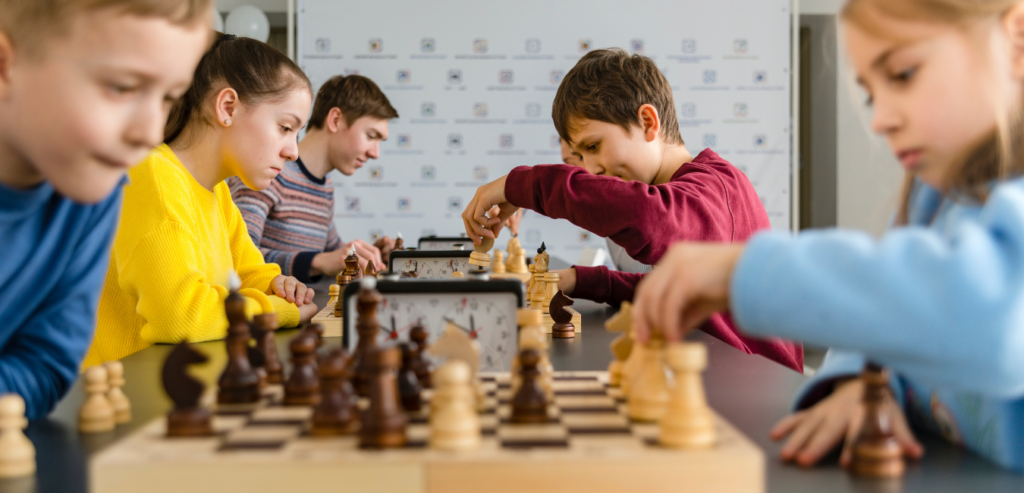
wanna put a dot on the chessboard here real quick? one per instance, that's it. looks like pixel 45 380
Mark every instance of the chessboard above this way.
pixel 588 444
pixel 333 326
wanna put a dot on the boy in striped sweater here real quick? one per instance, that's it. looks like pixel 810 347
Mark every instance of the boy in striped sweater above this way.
pixel 292 221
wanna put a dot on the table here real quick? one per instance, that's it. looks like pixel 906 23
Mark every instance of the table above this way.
pixel 749 391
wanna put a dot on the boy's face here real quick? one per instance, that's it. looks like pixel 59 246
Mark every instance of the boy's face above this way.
pixel 93 102
pixel 352 146
pixel 607 149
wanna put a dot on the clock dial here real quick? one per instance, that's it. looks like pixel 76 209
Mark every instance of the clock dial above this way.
pixel 432 267
pixel 486 322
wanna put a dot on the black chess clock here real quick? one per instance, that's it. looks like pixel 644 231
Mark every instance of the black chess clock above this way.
pixel 427 264
pixel 485 310
pixel 444 243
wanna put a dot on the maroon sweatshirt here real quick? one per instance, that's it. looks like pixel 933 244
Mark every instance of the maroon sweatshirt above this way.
pixel 707 199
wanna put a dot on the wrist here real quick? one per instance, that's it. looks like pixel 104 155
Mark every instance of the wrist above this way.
pixel 316 265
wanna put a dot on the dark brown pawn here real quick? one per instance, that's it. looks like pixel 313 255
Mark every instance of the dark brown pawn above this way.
pixel 338 412
pixel 530 404
pixel 352 267
pixel 342 280
pixel 408 385
pixel 421 366
pixel 399 244
pixel 187 419
pixel 371 270
pixel 264 326
pixel 318 331
pixel 367 326
pixel 239 384
pixel 876 453
pixel 384 422
pixel 303 385
pixel 563 327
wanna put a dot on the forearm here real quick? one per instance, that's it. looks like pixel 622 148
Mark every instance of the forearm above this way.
pixel 602 285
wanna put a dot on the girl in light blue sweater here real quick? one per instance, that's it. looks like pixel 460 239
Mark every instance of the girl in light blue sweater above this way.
pixel 940 298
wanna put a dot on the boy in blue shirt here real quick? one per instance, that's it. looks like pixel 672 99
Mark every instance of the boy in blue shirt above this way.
pixel 85 89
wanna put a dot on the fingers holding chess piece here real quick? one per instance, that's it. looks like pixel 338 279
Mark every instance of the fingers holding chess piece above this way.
pixel 97 413
pixel 122 407
pixel 480 257
pixel 687 422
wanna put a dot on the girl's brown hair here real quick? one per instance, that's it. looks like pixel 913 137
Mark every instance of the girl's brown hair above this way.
pixel 257 71
pixel 1000 156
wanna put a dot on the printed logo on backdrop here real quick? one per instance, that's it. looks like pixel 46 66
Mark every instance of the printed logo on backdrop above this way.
pixel 376 173
pixel 688 110
pixel 740 110
pixel 533 45
pixel 710 77
pixel 689 53
pixel 480 173
pixel 350 71
pixel 533 110
pixel 403 146
pixel 404 204
pixel 404 141
pixel 533 237
pixel 454 141
pixel 323 45
pixel 480 45
pixel 454 204
pixel 760 140
pixel 688 116
pixel 555 142
pixel 505 77
pixel 584 45
pixel 403 76
pixel 375 45
pixel 506 141
pixel 455 76
pixel 584 236
pixel 689 46
pixel 428 45
pixel 709 82
pixel 760 77
pixel 557 76
pixel 710 140
pixel 404 207
pixel 428 110
pixel 636 46
pixel 428 172
pixel 740 46
pixel 480 110
pixel 760 147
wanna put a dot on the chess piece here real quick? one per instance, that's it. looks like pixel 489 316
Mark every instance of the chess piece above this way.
pixel 498 263
pixel 455 343
pixel 876 452
pixel 542 257
pixel 336 289
pixel 454 423
pixel 531 336
pixel 479 257
pixel 540 289
pixel 264 327
pixel 516 263
pixel 239 383
pixel 352 265
pixel 338 412
pixel 367 327
pixel 648 395
pixel 563 327
pixel 408 385
pixel 687 422
pixel 346 277
pixel 458 275
pixel 383 422
pixel 115 379
pixel 551 285
pixel 303 386
pixel 529 285
pixel 418 334
pixel 318 333
pixel 371 270
pixel 97 413
pixel 622 345
pixel 399 242
pixel 17 454
pixel 187 419
pixel 530 403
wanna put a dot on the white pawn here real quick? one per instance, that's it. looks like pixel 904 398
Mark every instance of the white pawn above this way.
pixel 17 454
pixel 687 422
pixel 454 424
pixel 122 407
pixel 96 414
pixel 648 389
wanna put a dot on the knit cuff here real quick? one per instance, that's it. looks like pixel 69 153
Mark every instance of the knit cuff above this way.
pixel 518 187
pixel 592 283
pixel 301 265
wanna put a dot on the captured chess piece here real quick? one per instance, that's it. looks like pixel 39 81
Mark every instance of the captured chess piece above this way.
pixel 367 326
pixel 454 423
pixel 383 422
pixel 530 402
pixel 338 411
pixel 17 454
pixel 408 385
pixel 122 407
pixel 418 334
pixel 239 383
pixel 480 257
pixel 648 394
pixel 687 422
pixel 97 413
pixel 622 346
pixel 563 327
pixel 187 419
pixel 264 327
pixel 498 262
pixel 876 452
pixel 303 385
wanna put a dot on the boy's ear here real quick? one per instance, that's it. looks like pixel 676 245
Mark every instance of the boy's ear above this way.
pixel 335 120
pixel 650 123
pixel 6 60
pixel 1013 25
pixel 226 106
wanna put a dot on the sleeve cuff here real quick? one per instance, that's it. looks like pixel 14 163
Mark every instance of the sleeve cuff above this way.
pixel 287 313
pixel 838 365
pixel 518 191
pixel 301 265
pixel 591 283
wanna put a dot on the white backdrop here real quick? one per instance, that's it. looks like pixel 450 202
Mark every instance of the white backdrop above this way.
pixel 473 82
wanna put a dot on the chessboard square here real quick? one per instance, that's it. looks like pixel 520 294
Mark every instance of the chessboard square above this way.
pixel 570 402
pixel 256 434
pixel 646 431
pixel 607 445
pixel 532 432
pixel 237 409
pixel 489 420
pixel 224 424
pixel 578 386
pixel 615 393
pixel 417 432
pixel 504 412
pixel 489 386
pixel 273 393
pixel 613 422
pixel 281 415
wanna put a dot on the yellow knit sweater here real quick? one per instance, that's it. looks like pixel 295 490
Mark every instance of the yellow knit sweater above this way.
pixel 174 251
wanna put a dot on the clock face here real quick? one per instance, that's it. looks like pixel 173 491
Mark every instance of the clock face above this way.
pixel 489 318
pixel 432 267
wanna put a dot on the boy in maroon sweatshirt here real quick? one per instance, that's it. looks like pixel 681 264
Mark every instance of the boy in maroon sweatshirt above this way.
pixel 636 184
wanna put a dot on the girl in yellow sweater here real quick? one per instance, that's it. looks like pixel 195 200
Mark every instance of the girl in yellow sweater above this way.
pixel 181 235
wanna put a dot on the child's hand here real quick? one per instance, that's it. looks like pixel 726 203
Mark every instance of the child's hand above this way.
pixel 328 263
pixel 690 283
pixel 566 280
pixel 814 432
pixel 478 224
pixel 292 290
pixel 366 252
pixel 386 245
pixel 512 223
pixel 307 312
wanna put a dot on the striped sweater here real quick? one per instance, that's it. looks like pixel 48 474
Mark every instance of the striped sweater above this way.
pixel 292 220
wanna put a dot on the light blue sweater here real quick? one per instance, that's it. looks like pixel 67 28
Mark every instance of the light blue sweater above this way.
pixel 940 302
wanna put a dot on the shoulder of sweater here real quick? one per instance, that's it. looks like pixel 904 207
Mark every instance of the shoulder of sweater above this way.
pixel 159 190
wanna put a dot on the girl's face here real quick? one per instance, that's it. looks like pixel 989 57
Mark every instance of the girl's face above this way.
pixel 263 137
pixel 933 89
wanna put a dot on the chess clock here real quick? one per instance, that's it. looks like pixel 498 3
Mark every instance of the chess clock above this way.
pixel 486 310
pixel 424 264
pixel 444 243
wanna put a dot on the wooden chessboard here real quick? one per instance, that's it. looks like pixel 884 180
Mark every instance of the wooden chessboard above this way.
pixel 589 445
pixel 332 325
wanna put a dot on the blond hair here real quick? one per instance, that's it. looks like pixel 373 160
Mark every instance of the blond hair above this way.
pixel 1001 154
pixel 30 23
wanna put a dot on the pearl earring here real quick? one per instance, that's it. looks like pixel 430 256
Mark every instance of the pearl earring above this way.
pixel 227 121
